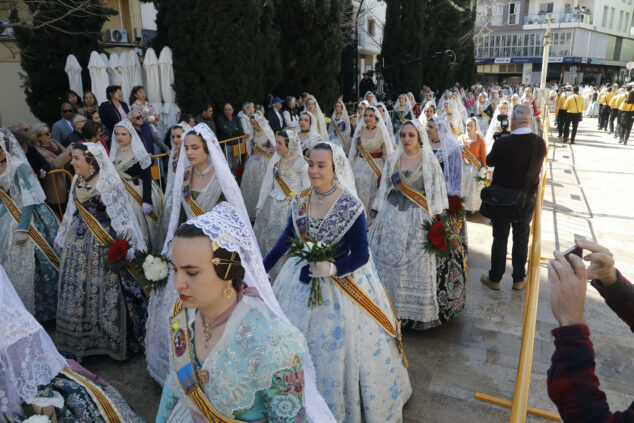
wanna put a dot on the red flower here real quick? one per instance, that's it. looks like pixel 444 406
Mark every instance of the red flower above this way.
pixel 118 250
pixel 455 204
pixel 239 171
pixel 436 236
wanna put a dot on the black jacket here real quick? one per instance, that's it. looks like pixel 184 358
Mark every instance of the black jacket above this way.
pixel 110 115
pixel 275 122
pixel 36 161
pixel 228 128
pixel 366 85
pixel 511 156
pixel 72 138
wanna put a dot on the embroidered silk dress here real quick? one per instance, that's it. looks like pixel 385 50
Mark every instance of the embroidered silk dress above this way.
pixel 470 186
pixel 254 171
pixel 141 180
pixel 396 242
pixel 359 369
pixel 341 123
pixel 255 371
pixel 32 274
pixel 275 207
pixel 365 179
pixel 99 312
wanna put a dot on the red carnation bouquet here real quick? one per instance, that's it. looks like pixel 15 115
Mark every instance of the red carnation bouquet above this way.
pixel 442 238
pixel 118 255
pixel 456 208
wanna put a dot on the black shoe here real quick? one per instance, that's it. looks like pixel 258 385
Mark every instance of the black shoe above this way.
pixel 572 141
pixel 565 140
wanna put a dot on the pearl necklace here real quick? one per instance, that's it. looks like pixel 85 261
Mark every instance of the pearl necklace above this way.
pixel 320 196
pixel 204 172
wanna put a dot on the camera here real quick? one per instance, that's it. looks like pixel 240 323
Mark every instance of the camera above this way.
pixel 504 125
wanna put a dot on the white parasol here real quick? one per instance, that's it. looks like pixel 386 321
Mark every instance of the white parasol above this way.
pixel 98 76
pixel 124 70
pixel 73 70
pixel 135 68
pixel 170 109
pixel 113 72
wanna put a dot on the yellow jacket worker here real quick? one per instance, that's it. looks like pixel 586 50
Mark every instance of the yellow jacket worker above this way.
pixel 574 106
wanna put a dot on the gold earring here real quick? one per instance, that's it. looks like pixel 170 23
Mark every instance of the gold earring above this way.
pixel 228 291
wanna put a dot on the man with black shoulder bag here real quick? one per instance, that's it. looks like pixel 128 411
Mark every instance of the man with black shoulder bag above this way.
pixel 510 200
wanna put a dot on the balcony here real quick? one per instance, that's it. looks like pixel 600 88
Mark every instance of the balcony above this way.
pixel 557 18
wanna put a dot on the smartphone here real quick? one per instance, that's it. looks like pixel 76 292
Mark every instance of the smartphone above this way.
pixel 577 251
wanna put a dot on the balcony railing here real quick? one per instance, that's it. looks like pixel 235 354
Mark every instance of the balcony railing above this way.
pixel 542 18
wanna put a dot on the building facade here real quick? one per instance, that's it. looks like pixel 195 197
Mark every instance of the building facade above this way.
pixel 593 40
pixel 370 24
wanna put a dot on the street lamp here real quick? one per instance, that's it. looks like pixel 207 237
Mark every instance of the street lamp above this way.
pixel 548 40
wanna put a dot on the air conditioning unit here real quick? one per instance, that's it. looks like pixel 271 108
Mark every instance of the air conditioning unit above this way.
pixel 5 31
pixel 116 36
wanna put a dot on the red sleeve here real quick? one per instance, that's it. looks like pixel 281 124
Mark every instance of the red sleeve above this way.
pixel 481 154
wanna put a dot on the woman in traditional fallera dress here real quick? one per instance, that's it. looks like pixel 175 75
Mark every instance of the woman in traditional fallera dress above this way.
pixel 33 373
pixel 388 122
pixel 308 134
pixel 133 162
pixel 260 150
pixel 396 231
pixel 474 157
pixel 371 136
pixel 495 126
pixel 312 107
pixel 341 121
pixel 202 176
pixel 370 98
pixel 99 311
pixel 360 370
pixel 451 271
pixel 231 347
pixel 358 118
pixel 32 265
pixel 483 111
pixel 402 112
pixel 286 169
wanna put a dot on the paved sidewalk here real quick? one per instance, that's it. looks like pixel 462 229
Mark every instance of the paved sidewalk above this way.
pixel 590 195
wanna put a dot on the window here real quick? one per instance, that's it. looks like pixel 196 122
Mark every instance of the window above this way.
pixel 605 16
pixel 498 15
pixel 482 12
pixel 611 17
pixel 627 22
pixel 514 12
pixel 546 8
pixel 621 21
pixel 371 26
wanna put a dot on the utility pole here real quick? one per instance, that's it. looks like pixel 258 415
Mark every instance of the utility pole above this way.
pixel 548 39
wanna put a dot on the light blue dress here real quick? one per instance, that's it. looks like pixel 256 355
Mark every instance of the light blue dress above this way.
pixel 255 371
pixel 360 372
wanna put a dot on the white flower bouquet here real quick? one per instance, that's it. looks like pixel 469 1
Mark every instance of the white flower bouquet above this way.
pixel 483 176
pixel 153 271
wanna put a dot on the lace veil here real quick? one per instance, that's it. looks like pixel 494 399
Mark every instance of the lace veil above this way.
pixel 321 128
pixel 451 156
pixel 295 146
pixel 226 226
pixel 264 125
pixel 346 118
pixel 493 125
pixel 113 196
pixel 403 109
pixel 29 191
pixel 223 175
pixel 365 98
pixel 387 140
pixel 28 357
pixel 140 153
pixel 388 122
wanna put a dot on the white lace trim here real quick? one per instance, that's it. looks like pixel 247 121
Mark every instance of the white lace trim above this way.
pixel 141 154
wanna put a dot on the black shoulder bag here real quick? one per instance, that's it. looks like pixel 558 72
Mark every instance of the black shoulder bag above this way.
pixel 499 200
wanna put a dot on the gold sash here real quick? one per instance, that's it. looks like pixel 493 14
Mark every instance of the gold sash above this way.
pixel 369 159
pixel 288 192
pixel 401 117
pixel 340 135
pixel 414 195
pixel 262 151
pixel 137 197
pixel 34 234
pixel 360 298
pixel 469 156
pixel 108 411
pixel 187 373
pixel 455 130
pixel 484 114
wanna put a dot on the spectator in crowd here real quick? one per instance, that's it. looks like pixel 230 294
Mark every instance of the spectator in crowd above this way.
pixel 229 127
pixel 73 98
pixel 145 132
pixel 366 84
pixel 20 126
pixel 299 106
pixel 140 103
pixel 90 103
pixel 75 136
pixel 93 115
pixel 574 107
pixel 189 119
pixel 274 115
pixel 55 186
pixel 205 116
pixel 91 132
pixel 248 108
pixel 511 156
pixel 114 109
pixel 289 113
pixel 39 165
pixel 572 383
pixel 63 127
pixel 626 116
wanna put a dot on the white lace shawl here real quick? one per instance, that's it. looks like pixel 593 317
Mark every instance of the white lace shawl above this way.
pixel 313 134
pixel 138 148
pixel 322 129
pixel 433 178
pixel 365 98
pixel 404 109
pixel 295 147
pixel 113 196
pixel 28 357
pixel 493 125
pixel 452 167
pixel 265 134
pixel 245 122
pixel 387 141
pixel 29 192
pixel 388 123
pixel 343 170
pixel 227 227
pixel 346 119
pixel 223 175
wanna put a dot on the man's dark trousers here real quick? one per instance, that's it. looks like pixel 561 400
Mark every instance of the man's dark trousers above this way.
pixel 502 224
pixel 561 121
pixel 572 119
pixel 613 114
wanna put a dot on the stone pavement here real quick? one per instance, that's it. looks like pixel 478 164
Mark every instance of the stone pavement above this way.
pixel 589 195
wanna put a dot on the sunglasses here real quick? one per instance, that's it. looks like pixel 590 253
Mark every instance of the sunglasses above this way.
pixel 138 118
pixel 45 133
pixel 68 111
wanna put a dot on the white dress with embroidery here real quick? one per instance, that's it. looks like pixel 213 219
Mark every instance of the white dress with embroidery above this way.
pixel 273 215
pixel 365 179
pixel 254 172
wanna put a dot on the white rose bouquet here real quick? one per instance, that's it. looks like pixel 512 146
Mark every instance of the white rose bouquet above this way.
pixel 483 176
pixel 152 271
